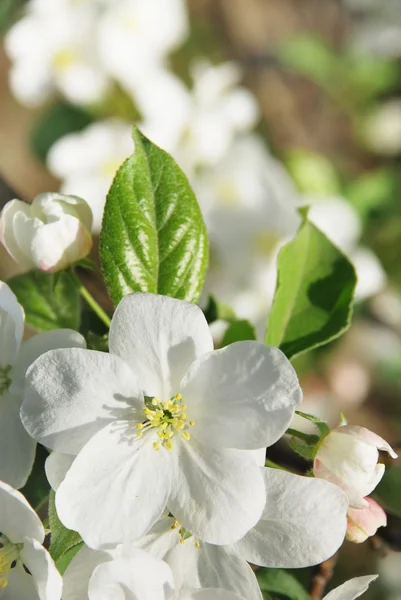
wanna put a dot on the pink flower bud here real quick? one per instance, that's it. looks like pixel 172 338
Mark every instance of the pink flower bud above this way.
pixel 364 522
pixel 348 457
pixel 51 233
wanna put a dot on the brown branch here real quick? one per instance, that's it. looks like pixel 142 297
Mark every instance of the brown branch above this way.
pixel 321 577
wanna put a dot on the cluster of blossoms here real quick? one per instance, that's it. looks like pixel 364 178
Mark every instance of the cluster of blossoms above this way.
pixel 247 198
pixel 158 450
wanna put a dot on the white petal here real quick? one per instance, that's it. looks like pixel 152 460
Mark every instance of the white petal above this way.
pixel 46 578
pixel 11 325
pixel 219 494
pixel 59 244
pixel 71 394
pixel 17 448
pixel 368 437
pixel 8 233
pixel 161 538
pixel 211 594
pixel 79 571
pixel 303 523
pixel 351 589
pixel 212 567
pixel 242 396
pixel 17 518
pixel 56 467
pixel 39 344
pixel 159 337
pixel 140 576
pixel 20 586
pixel 118 480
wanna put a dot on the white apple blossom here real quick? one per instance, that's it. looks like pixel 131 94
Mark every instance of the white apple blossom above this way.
pixel 52 49
pixel 351 589
pixel 17 448
pixel 51 234
pixel 165 419
pixel 364 522
pixel 87 161
pixel 26 569
pixel 135 36
pixel 348 457
pixel 309 514
pixel 112 574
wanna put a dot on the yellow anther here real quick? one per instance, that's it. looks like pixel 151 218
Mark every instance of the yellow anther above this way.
pixel 156 445
pixel 175 525
pixel 155 401
pixel 168 404
pixel 139 435
pixel 182 541
pixel 183 416
pixel 139 426
pixel 197 544
pixel 181 531
pixel 175 409
pixel 178 396
pixel 192 423
pixel 168 445
pixel 149 412
pixel 185 435
pixel 184 407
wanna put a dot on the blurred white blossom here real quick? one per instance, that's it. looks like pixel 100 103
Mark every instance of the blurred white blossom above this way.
pixel 87 161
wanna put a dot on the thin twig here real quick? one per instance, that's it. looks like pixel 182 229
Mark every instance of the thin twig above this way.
pixel 322 575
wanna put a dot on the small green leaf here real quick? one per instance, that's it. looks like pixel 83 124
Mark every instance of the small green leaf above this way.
pixel 62 539
pixel 314 294
pixel 321 425
pixel 47 306
pixel 237 332
pixel 281 584
pixel 153 237
pixel 63 562
pixel 308 452
pixel 388 491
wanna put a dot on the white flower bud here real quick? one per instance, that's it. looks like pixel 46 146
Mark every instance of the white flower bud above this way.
pixel 348 457
pixel 51 233
pixel 364 522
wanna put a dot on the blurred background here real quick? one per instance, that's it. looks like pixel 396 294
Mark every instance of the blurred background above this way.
pixel 266 105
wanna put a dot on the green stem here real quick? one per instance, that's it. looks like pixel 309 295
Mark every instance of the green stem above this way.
pixel 87 296
pixel 273 465
pixel 308 438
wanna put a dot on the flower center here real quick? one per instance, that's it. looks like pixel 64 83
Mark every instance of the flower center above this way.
pixel 5 379
pixel 183 533
pixel 167 418
pixel 9 555
pixel 64 58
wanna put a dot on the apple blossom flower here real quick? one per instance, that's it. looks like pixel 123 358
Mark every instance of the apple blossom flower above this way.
pixel 135 36
pixel 169 421
pixel 51 234
pixel 351 589
pixel 51 48
pixel 364 522
pixel 87 162
pixel 310 514
pixel 348 457
pixel 16 446
pixel 26 568
pixel 100 575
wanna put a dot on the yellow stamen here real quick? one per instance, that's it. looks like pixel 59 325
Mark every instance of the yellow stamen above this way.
pixel 178 397
pixel 192 423
pixel 139 426
pixel 186 436
pixel 139 435
pixel 175 525
pixel 156 445
pixel 197 544
pixel 182 541
pixel 168 445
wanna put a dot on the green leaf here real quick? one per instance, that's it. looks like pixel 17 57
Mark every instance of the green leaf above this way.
pixel 63 562
pixel 281 584
pixel 388 491
pixel 62 539
pixel 314 294
pixel 57 121
pixel 237 332
pixel 153 237
pixel 47 305
pixel 309 56
pixel 37 488
pixel 321 425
